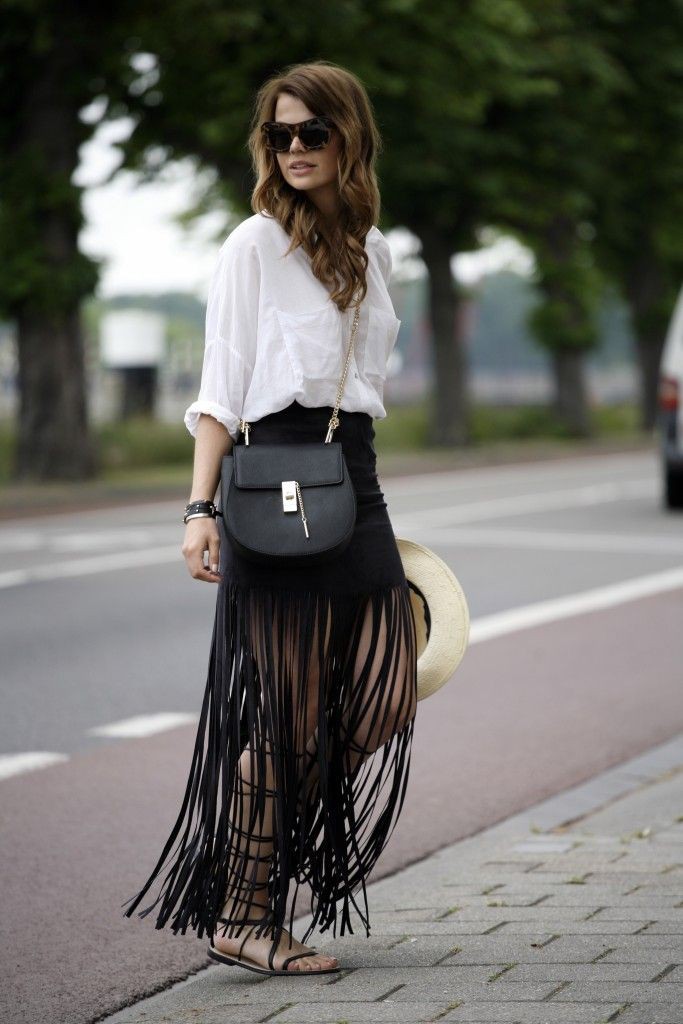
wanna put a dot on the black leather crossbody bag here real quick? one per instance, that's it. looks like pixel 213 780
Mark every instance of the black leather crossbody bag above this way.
pixel 290 504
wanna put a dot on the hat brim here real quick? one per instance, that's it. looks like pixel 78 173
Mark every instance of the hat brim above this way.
pixel 441 613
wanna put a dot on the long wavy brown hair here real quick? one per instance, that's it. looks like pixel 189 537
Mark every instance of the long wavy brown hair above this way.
pixel 339 260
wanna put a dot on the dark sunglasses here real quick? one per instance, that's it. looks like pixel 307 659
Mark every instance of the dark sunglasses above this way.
pixel 313 134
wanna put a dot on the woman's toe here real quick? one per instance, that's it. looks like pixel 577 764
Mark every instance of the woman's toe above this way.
pixel 313 963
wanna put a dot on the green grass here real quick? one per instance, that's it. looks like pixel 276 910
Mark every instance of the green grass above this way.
pixel 142 441
pixel 406 428
pixel 138 444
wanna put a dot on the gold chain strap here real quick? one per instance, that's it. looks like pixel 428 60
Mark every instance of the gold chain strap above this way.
pixel 334 420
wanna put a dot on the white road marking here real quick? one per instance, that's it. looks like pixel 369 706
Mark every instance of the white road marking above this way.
pixel 138 726
pixel 14 541
pixel 18 541
pixel 551 540
pixel 16 764
pixel 519 504
pixel 93 539
pixel 94 564
pixel 143 725
pixel 487 627
pixel 613 464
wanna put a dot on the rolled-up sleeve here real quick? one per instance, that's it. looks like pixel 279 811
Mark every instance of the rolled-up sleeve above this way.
pixel 230 335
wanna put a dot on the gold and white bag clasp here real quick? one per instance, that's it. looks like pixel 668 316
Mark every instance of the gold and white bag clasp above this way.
pixel 289 496
pixel 290 491
pixel 245 428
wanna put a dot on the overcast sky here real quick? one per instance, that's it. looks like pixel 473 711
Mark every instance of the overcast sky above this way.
pixel 132 226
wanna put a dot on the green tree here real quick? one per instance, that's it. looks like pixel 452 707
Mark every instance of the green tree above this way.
pixel 54 60
pixel 488 109
pixel 548 198
pixel 640 210
pixel 449 154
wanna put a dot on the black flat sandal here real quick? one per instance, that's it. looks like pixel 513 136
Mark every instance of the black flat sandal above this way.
pixel 251 965
pixel 246 962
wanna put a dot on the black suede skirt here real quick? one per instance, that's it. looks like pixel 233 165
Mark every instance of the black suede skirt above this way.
pixel 302 752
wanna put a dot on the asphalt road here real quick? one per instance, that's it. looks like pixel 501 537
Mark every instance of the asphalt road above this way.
pixel 574 577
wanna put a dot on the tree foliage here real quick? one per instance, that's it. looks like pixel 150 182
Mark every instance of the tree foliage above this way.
pixel 558 121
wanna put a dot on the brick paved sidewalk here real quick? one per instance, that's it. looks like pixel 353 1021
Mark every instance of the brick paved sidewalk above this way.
pixel 525 922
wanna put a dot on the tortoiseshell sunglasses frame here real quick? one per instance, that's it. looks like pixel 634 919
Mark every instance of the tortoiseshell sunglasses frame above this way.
pixel 294 129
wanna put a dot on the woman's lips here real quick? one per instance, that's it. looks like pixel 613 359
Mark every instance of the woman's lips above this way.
pixel 301 170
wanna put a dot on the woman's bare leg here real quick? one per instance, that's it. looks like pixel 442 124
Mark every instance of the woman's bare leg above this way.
pixel 253 810
pixel 382 699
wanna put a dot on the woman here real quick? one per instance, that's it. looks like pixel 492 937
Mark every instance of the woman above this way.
pixel 303 745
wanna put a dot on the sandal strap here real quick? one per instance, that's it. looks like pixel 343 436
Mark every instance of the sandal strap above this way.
pixel 255 856
pixel 296 956
pixel 246 920
pixel 236 898
pixel 250 922
pixel 246 784
pixel 250 835
pixel 239 921
pixel 254 884
pixel 241 899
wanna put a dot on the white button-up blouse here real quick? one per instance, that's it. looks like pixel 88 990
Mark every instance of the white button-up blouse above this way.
pixel 273 335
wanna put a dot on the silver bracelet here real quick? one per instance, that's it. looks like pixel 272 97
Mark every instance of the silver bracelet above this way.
pixel 197 515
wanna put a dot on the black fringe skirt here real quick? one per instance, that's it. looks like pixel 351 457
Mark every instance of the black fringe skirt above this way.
pixel 302 751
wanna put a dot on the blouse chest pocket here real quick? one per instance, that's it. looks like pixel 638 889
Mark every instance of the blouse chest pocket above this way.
pixel 383 329
pixel 313 342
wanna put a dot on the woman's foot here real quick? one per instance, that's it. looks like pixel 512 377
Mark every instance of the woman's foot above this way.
pixel 257 949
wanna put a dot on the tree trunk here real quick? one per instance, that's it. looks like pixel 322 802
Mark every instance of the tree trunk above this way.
pixel 565 323
pixel 53 440
pixel 571 395
pixel 449 409
pixel 646 293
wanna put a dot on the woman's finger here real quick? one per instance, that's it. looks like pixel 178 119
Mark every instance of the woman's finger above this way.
pixel 214 553
pixel 199 538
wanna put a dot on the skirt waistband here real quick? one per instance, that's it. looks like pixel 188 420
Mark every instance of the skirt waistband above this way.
pixel 302 422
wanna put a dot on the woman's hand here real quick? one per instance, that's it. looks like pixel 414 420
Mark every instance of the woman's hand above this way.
pixel 201 534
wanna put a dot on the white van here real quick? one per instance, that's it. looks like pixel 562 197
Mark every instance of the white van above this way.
pixel 670 411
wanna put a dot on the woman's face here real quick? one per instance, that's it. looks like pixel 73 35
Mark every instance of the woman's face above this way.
pixel 321 172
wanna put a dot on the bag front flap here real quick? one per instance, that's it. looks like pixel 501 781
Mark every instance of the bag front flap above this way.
pixel 267 465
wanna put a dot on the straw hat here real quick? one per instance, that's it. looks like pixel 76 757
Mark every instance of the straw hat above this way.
pixel 442 619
